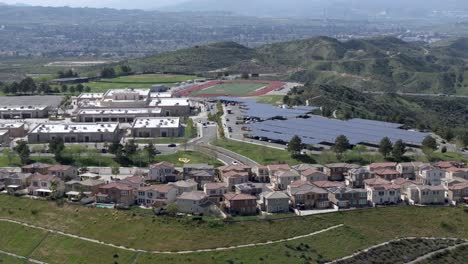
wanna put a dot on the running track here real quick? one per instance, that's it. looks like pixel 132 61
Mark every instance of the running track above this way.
pixel 273 86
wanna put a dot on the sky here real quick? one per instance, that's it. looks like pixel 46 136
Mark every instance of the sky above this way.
pixel 141 4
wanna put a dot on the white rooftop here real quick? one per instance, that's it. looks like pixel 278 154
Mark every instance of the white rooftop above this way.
pixel 22 107
pixel 170 102
pixel 75 128
pixel 141 92
pixel 119 111
pixel 161 95
pixel 155 122
pixel 91 95
pixel 10 125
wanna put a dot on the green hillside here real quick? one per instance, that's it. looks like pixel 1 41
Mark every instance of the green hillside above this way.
pixel 378 64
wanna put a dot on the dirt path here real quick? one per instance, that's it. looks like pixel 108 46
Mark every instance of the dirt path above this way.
pixel 170 252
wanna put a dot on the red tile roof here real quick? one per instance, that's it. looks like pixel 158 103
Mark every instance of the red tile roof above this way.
pixel 161 164
pixel 239 197
pixel 328 184
pixel 376 181
pixel 163 188
pixel 385 172
pixel 60 168
pixel 118 186
pixel 275 167
pixel 299 183
pixel 215 185
pixel 310 172
pixel 41 177
pixel 386 187
pixel 459 186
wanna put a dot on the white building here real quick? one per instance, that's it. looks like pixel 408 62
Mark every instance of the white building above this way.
pixel 383 194
pixel 430 175
pixel 122 115
pixel 75 132
pixel 23 112
pixel 157 195
pixel 156 127
pixel 193 202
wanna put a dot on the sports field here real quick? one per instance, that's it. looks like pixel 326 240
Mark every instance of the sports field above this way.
pixel 236 89
pixel 240 88
pixel 137 81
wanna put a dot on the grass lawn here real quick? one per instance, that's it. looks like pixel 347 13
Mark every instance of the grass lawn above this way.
pixel 11 260
pixel 271 99
pixel 235 89
pixel 18 239
pixel 261 154
pixel 362 228
pixel 160 140
pixel 449 156
pixel 137 81
pixel 60 249
pixel 194 157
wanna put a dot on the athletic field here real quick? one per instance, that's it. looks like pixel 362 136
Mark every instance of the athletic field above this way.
pixel 240 88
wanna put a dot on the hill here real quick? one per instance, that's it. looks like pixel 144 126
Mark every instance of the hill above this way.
pixel 377 64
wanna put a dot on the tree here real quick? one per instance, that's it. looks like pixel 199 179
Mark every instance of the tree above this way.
pixel 115 170
pixel 464 139
pixel 399 149
pixel 295 145
pixel 14 88
pixel 56 146
pixel 341 145
pixel 108 72
pixel 27 85
pixel 150 151
pixel 72 89
pixel 23 151
pixel 9 154
pixel 172 210
pixel 190 130
pixel 130 147
pixel 115 147
pixel 125 68
pixel 80 88
pixel 385 146
pixel 64 88
pixel 429 143
pixel 87 89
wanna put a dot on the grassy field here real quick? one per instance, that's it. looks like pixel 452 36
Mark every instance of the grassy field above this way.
pixel 137 81
pixel 235 89
pixel 194 157
pixel 270 99
pixel 261 154
pixel 362 228
pixel 457 256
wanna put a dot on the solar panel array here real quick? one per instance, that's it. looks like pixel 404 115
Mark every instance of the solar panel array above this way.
pixel 318 129
pixel 252 108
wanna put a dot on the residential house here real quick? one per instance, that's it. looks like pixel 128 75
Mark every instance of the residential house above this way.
pixel 454 172
pixel 201 177
pixel 37 167
pixel 458 192
pixel 215 191
pixel 304 167
pixel 17 181
pixel 313 175
pixel 232 178
pixel 425 194
pixel 387 174
pixel 328 184
pixel 274 169
pixel 162 172
pixel 304 195
pixel 237 168
pixel 240 204
pixel 188 168
pixel 346 197
pixel 383 194
pixel 261 174
pixel 448 182
pixel 116 192
pixel 185 186
pixel 375 181
pixel 64 172
pixel 430 175
pixel 274 202
pixel 337 171
pixel 408 169
pixel 281 179
pixel 46 185
pixel 134 181
pixel 356 177
pixel 157 195
pixel 88 187
pixel 250 188
pixel 194 203
pixel 448 164
pixel 382 165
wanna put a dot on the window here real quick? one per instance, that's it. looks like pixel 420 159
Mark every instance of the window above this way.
pixel 381 193
pixel 392 193
pixel 44 184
